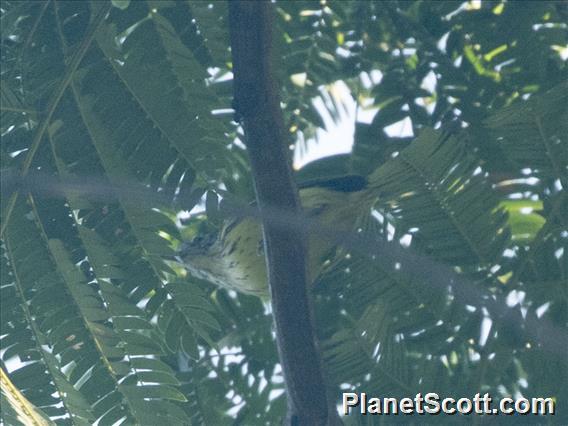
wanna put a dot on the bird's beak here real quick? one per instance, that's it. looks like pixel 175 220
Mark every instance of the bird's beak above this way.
pixel 185 249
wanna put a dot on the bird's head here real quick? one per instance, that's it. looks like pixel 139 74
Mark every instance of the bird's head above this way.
pixel 201 256
pixel 229 258
pixel 200 245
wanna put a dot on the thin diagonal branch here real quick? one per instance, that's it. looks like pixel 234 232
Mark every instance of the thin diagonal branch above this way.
pixel 55 98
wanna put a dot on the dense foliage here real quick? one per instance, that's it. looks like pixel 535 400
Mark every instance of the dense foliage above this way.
pixel 131 101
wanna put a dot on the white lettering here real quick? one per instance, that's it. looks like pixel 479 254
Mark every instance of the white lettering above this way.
pixel 433 405
pixel 350 399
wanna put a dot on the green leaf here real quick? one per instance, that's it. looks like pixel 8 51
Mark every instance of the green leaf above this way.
pixel 524 219
pixel 121 4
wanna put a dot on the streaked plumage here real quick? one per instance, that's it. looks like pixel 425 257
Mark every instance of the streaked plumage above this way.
pixel 234 258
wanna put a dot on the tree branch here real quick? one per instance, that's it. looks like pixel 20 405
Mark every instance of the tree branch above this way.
pixel 257 103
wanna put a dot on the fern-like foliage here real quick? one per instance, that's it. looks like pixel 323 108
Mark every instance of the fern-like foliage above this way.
pixel 104 349
pixel 533 135
pixel 114 119
pixel 435 190
pixel 16 408
pixel 435 193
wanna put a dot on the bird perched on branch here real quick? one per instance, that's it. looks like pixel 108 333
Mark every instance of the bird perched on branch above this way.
pixel 234 257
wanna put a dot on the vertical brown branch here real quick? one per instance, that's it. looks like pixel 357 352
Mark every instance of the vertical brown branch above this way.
pixel 257 103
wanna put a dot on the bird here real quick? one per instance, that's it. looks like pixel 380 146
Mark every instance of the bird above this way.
pixel 233 258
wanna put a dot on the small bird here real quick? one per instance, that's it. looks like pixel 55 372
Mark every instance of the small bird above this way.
pixel 234 257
